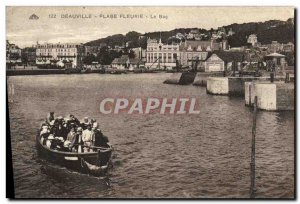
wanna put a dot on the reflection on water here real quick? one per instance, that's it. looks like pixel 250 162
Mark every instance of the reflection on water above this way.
pixel 204 156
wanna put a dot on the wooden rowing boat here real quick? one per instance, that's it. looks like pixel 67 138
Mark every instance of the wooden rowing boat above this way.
pixel 93 163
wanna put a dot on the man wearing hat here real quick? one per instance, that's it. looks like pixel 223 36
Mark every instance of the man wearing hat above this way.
pixel 98 139
pixel 87 138
pixel 78 140
pixel 50 118
pixel 59 129
pixel 73 121
pixel 85 123
pixel 71 138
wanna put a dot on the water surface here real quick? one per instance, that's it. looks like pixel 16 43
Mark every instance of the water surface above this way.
pixel 156 156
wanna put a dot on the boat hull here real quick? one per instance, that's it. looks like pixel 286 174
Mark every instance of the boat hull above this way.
pixel 76 161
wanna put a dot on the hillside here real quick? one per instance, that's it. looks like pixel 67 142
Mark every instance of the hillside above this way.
pixel 273 30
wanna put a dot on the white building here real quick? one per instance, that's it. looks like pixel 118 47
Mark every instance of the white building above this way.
pixel 159 55
pixel 13 53
pixel 59 54
pixel 252 39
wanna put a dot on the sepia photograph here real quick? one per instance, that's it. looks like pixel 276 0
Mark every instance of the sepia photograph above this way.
pixel 150 102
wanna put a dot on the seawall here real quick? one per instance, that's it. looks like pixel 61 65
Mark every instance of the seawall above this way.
pixel 278 96
pixel 231 86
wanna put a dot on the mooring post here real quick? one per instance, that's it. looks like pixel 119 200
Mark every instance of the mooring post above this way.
pixel 250 95
pixel 272 77
pixel 287 78
pixel 252 164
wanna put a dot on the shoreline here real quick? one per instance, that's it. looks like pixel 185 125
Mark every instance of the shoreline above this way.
pixel 22 72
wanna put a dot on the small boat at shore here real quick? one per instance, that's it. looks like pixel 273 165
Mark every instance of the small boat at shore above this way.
pixel 93 163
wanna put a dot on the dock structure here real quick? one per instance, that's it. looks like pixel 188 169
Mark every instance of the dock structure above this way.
pixel 231 86
pixel 277 96
pixel 201 77
pixel 183 78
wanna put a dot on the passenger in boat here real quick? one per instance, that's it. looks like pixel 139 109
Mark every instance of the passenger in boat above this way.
pixel 49 141
pixel 70 141
pixel 85 123
pixel 44 134
pixel 98 139
pixel 78 140
pixel 87 138
pixel 51 126
pixel 60 130
pixel 93 121
pixel 74 121
pixel 50 118
pixel 66 124
pixel 43 125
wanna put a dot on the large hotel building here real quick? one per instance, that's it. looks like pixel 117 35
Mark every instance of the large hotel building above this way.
pixel 60 54
pixel 159 55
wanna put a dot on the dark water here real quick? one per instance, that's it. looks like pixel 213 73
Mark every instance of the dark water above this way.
pixel 179 156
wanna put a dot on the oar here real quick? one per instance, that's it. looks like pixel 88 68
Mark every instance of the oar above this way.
pixel 95 147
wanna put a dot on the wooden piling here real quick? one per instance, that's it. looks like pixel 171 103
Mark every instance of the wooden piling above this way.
pixel 250 95
pixel 272 77
pixel 252 164
pixel 287 78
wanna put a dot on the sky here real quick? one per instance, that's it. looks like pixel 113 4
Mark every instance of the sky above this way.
pixel 83 24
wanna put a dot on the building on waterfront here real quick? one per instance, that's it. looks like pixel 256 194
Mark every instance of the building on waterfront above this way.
pixel 195 50
pixel 124 62
pixel 13 53
pixel 93 50
pixel 289 47
pixel 193 34
pixel 224 61
pixel 252 39
pixel 280 47
pixel 60 54
pixel 159 55
pixel 276 62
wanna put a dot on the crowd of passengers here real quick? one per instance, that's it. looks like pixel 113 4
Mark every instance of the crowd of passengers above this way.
pixel 69 134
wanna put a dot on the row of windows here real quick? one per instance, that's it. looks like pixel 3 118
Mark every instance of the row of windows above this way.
pixel 56 46
pixel 57 50
pixel 58 54
pixel 161 48
pixel 161 55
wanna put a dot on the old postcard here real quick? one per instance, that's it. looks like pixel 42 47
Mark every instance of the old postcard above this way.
pixel 150 102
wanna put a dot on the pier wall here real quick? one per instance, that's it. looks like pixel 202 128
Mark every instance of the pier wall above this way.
pixel 270 96
pixel 217 86
pixel 173 79
pixel 236 85
pixel 34 72
pixel 285 96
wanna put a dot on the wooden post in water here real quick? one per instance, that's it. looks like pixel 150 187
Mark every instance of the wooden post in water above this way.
pixel 287 78
pixel 252 164
pixel 250 95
